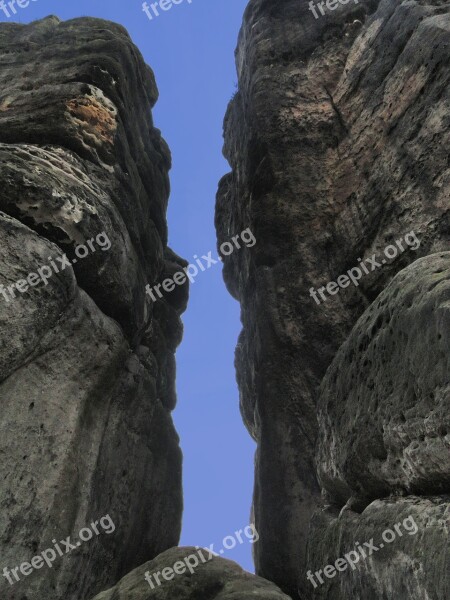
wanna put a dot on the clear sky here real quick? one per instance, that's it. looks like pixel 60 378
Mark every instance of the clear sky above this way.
pixel 191 50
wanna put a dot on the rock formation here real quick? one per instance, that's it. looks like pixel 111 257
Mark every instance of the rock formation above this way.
pixel 383 443
pixel 90 462
pixel 216 579
pixel 338 138
pixel 86 360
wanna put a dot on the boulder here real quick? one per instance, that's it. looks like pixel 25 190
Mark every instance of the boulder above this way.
pixel 212 579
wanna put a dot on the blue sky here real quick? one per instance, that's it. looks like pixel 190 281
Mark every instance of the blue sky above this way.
pixel 191 50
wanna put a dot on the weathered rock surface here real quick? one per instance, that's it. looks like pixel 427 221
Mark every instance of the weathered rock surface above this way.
pixel 384 407
pixel 413 563
pixel 216 579
pixel 383 416
pixel 86 361
pixel 338 139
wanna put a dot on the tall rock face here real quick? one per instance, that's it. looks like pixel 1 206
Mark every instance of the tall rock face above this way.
pixel 338 138
pixel 87 444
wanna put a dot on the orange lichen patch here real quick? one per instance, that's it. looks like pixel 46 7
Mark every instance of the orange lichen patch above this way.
pixel 94 117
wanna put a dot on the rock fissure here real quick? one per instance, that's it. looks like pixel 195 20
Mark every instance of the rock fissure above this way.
pixel 338 144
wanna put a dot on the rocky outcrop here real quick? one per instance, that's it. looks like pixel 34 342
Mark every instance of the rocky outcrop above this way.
pixel 87 359
pixel 383 447
pixel 338 141
pixel 397 548
pixel 213 579
pixel 383 412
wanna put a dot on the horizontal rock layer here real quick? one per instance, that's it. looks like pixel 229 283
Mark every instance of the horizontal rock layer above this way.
pixel 86 360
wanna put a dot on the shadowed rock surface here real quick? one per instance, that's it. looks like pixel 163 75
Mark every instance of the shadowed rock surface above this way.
pixel 216 579
pixel 413 563
pixel 338 139
pixel 87 376
pixel 384 423
pixel 384 419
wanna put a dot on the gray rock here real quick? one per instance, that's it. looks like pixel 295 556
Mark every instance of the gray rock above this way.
pixel 403 549
pixel 338 141
pixel 384 409
pixel 215 579
pixel 87 377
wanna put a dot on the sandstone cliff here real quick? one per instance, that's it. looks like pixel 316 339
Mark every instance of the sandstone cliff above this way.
pixel 86 360
pixel 90 465
pixel 338 139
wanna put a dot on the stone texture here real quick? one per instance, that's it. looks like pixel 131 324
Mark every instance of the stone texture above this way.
pixel 384 408
pixel 383 418
pixel 338 140
pixel 87 361
pixel 216 579
pixel 413 565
